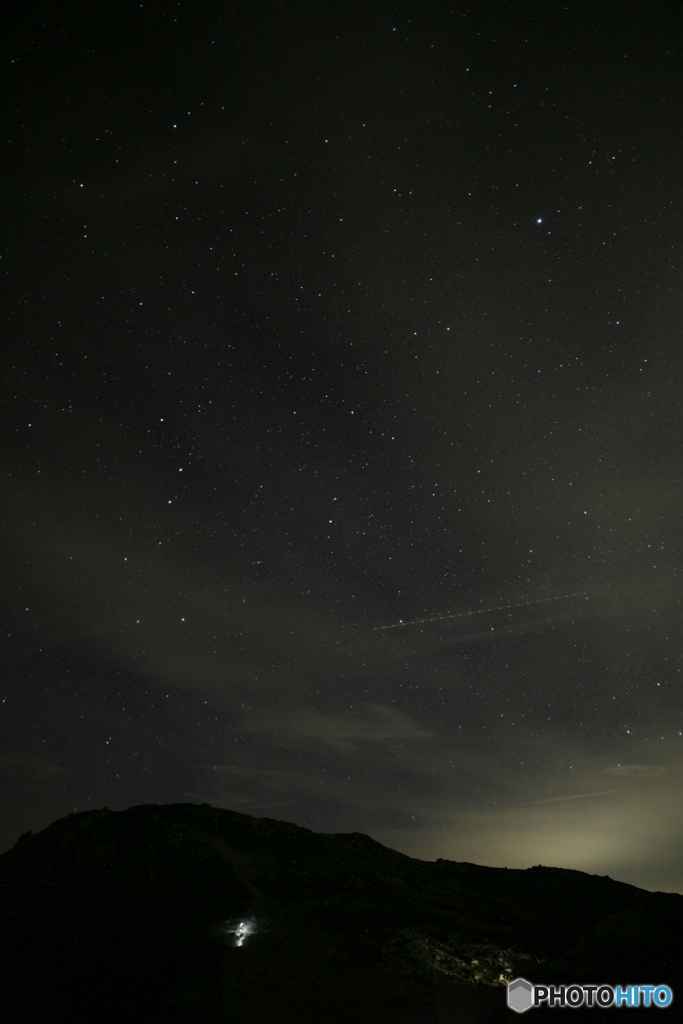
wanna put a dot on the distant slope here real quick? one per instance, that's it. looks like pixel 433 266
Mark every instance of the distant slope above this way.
pixel 187 913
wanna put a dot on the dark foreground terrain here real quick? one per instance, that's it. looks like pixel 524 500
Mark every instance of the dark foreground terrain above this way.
pixel 187 913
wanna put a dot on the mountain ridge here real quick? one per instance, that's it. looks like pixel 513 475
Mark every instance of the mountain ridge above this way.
pixel 181 912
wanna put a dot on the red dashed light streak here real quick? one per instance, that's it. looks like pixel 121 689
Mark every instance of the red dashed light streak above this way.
pixel 481 611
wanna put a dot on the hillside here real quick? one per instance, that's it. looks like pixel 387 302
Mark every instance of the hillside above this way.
pixel 185 913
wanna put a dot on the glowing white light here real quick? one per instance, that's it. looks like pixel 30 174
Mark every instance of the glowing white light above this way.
pixel 239 930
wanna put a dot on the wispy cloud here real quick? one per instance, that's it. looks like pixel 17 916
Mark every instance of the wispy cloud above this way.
pixel 571 796
pixel 637 771
pixel 373 723
pixel 32 765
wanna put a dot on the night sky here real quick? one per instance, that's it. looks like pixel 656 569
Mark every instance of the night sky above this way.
pixel 324 319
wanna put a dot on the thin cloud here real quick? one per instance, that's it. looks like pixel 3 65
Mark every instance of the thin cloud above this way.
pixel 571 796
pixel 375 723
pixel 636 771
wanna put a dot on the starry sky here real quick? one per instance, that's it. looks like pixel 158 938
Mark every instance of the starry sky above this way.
pixel 323 320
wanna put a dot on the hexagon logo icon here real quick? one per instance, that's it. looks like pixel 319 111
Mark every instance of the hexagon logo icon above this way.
pixel 520 995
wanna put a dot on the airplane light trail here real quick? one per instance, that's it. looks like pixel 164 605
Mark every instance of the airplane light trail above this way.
pixel 480 611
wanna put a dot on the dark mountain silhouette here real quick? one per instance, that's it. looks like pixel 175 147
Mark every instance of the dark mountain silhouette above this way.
pixel 187 913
